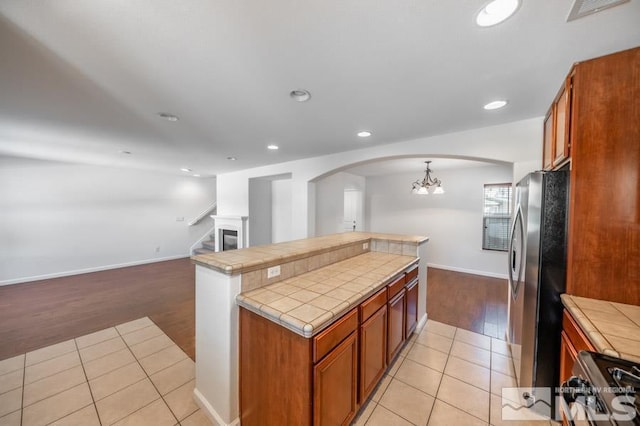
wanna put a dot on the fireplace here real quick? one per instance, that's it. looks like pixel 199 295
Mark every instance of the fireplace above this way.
pixel 228 239
pixel 231 232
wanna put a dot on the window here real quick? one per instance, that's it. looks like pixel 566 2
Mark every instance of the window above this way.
pixel 496 216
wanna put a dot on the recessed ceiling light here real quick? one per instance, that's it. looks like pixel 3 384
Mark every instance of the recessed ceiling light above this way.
pixel 300 95
pixel 495 105
pixel 496 11
pixel 186 170
pixel 364 134
pixel 125 152
pixel 196 175
pixel 167 116
pixel 231 158
pixel 272 147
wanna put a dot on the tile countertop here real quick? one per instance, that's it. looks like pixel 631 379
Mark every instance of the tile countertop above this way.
pixel 236 261
pixel 308 303
pixel 612 328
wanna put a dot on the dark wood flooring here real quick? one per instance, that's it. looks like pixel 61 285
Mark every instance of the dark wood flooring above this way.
pixel 41 313
pixel 472 302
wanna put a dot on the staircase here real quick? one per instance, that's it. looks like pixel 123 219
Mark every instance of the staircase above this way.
pixel 208 246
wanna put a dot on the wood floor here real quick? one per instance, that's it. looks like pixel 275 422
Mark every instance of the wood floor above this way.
pixel 41 313
pixel 38 314
pixel 472 302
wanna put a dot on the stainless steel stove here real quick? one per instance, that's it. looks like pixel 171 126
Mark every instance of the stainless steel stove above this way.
pixel 602 391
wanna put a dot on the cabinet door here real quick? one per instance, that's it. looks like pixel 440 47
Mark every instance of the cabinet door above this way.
pixel 412 308
pixel 396 327
pixel 373 351
pixel 335 385
pixel 568 356
pixel 562 119
pixel 548 145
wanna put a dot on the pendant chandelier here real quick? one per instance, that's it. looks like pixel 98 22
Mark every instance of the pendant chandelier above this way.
pixel 422 187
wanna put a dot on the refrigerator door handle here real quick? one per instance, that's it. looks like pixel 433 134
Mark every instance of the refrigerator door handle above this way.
pixel 514 284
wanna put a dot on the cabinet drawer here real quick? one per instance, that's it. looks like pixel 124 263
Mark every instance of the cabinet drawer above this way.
pixel 336 333
pixel 372 304
pixel 396 286
pixel 412 274
pixel 577 338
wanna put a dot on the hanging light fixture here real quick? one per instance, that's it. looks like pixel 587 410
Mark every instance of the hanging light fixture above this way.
pixel 421 187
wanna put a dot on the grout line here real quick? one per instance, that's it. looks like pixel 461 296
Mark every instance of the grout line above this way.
pixel 95 407
pixel 24 375
pixel 153 384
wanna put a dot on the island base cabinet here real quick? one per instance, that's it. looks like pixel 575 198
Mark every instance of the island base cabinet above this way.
pixel 412 307
pixel 373 351
pixel 275 372
pixel 396 325
pixel 335 385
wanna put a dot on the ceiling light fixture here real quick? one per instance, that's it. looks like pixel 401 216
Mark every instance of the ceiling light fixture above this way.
pixel 231 158
pixel 125 152
pixel 421 187
pixel 186 170
pixel 272 147
pixel 196 175
pixel 495 105
pixel 364 134
pixel 300 95
pixel 168 117
pixel 496 12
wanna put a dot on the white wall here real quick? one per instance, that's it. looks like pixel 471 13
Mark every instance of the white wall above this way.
pixel 329 206
pixel 515 142
pixel 453 220
pixel 259 212
pixel 60 218
pixel 281 198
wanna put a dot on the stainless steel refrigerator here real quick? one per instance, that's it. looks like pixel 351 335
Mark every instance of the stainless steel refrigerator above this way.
pixel 537 276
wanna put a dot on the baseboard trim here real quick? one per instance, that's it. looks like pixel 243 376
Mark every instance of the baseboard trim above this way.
pixel 468 271
pixel 88 270
pixel 422 322
pixel 210 412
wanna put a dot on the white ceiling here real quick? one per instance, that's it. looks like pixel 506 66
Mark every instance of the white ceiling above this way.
pixel 80 81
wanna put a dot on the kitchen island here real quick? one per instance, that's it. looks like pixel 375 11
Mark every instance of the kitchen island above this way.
pixel 347 268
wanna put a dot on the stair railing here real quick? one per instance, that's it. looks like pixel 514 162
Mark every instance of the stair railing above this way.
pixel 206 212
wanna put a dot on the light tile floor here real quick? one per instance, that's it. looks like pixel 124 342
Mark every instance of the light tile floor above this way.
pixel 444 376
pixel 131 374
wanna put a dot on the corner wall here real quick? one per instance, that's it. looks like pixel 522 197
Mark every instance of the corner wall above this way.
pixel 59 219
pixel 453 220
pixel 516 142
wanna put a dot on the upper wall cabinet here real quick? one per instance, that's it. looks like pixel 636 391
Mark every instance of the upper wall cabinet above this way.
pixel 557 125
pixel 603 260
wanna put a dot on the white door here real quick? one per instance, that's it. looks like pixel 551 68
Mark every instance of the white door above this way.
pixel 353 216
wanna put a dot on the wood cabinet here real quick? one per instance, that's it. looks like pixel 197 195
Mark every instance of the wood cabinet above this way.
pixel 603 259
pixel 557 125
pixel 288 379
pixel 573 341
pixel 548 140
pixel 373 351
pixel 396 333
pixel 335 389
pixel 411 308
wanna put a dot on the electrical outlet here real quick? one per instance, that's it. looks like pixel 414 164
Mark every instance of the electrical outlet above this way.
pixel 273 271
pixel 365 246
pixel 158 249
